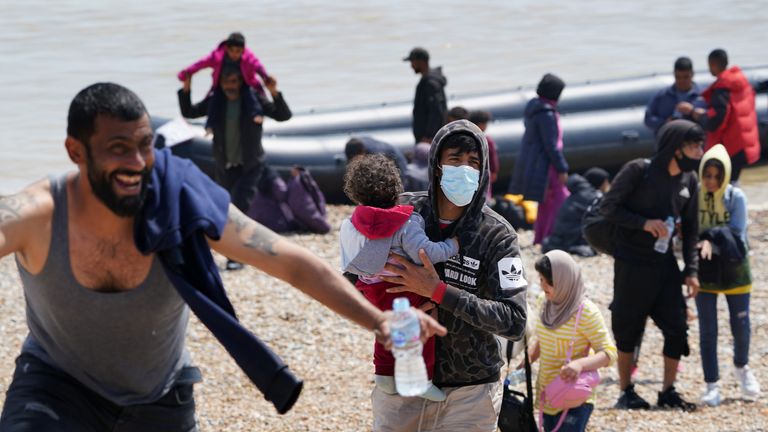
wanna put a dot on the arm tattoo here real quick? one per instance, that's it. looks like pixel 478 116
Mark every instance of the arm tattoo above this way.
pixel 12 206
pixel 262 239
pixel 239 220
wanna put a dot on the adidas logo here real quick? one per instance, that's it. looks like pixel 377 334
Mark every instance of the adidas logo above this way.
pixel 511 273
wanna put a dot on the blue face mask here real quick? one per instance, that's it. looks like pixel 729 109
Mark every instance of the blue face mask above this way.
pixel 459 183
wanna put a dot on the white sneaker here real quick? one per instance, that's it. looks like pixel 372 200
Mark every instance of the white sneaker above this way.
pixel 750 388
pixel 711 395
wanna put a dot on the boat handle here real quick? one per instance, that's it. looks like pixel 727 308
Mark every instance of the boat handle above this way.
pixel 630 135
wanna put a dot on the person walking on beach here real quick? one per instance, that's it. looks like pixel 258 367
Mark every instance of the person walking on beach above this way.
pixel 379 226
pixel 731 119
pixel 477 294
pixel 129 235
pixel 724 269
pixel 567 318
pixel 663 106
pixel 237 151
pixel 430 104
pixel 647 278
pixel 541 171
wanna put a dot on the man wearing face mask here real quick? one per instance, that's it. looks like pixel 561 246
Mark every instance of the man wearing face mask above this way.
pixel 646 280
pixel 476 294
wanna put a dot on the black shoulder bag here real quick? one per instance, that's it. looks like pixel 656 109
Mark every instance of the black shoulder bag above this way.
pixel 517 408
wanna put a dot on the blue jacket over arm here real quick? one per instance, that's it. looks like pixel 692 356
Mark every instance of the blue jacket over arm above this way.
pixel 183 208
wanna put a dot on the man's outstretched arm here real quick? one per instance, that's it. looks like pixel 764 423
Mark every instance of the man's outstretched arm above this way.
pixel 23 217
pixel 248 241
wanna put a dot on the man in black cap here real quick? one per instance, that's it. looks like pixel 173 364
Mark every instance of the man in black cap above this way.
pixel 429 104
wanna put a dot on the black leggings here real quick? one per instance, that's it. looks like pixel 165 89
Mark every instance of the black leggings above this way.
pixel 42 398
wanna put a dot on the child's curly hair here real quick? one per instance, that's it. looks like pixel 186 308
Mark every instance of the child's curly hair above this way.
pixel 373 180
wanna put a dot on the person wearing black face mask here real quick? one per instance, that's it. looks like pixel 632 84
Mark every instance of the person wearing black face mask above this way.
pixel 647 283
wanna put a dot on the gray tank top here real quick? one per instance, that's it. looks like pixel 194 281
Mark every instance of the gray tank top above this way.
pixel 126 346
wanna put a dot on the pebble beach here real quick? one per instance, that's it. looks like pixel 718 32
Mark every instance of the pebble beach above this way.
pixel 333 356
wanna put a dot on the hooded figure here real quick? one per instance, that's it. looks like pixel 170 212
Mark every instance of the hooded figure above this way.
pixel 723 222
pixel 647 283
pixel 724 270
pixel 566 232
pixel 540 163
pixel 645 190
pixel 542 144
pixel 486 283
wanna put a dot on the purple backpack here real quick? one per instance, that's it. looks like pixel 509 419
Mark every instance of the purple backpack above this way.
pixel 307 203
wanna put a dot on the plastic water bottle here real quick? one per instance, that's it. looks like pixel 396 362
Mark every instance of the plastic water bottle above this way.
pixel 662 243
pixel 515 377
pixel 410 370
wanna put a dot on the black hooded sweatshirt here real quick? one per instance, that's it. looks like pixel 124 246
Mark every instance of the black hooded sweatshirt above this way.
pixel 643 191
pixel 486 281
pixel 429 104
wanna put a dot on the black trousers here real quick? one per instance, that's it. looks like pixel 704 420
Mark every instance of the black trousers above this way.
pixel 649 290
pixel 738 162
pixel 240 182
pixel 41 398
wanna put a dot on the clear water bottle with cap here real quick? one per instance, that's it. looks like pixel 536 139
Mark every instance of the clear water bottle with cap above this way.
pixel 662 243
pixel 410 370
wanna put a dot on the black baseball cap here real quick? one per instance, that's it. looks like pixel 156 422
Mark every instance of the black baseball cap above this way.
pixel 417 53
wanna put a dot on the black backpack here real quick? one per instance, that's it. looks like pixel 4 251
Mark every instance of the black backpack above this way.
pixel 598 231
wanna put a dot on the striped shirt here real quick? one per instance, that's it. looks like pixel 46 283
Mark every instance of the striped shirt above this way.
pixel 553 344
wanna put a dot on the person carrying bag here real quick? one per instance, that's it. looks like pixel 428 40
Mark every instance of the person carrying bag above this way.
pixel 567 381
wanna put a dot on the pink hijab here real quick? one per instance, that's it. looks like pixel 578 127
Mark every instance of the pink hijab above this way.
pixel 568 287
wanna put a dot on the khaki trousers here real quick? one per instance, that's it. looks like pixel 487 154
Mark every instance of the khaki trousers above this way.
pixel 466 409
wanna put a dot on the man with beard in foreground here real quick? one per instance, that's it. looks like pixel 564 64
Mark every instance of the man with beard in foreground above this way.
pixel 110 258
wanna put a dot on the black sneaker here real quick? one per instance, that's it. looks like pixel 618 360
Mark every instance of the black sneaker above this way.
pixel 234 265
pixel 670 398
pixel 631 400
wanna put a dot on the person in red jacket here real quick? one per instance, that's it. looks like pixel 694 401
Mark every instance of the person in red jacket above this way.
pixel 731 119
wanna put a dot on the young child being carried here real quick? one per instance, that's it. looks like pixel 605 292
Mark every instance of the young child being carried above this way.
pixel 378 227
pixel 232 54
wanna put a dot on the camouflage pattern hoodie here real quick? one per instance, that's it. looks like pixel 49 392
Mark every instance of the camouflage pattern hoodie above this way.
pixel 486 282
